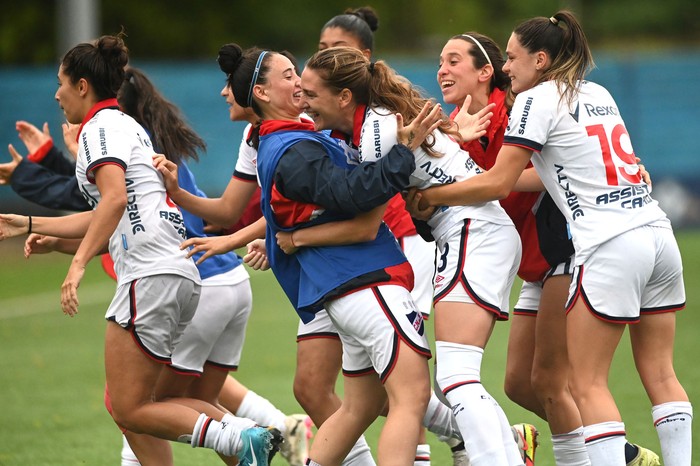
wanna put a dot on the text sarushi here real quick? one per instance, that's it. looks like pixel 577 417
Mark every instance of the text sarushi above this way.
pixel 175 220
pixel 630 197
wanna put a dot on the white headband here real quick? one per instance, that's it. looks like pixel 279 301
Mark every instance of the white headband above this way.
pixel 478 44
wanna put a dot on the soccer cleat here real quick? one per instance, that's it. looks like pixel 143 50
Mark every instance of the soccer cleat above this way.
pixel 259 445
pixel 525 436
pixel 645 457
pixel 459 454
pixel 295 448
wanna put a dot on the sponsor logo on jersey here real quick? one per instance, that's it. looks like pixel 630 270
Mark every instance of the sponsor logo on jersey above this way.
pixel 86 149
pixel 571 197
pixel 601 110
pixel 377 139
pixel 523 117
pixel 132 208
pixel 630 197
pixel 103 142
pixel 437 173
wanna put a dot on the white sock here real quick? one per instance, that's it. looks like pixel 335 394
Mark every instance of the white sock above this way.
pixel 128 456
pixel 570 449
pixel 422 455
pixel 673 422
pixel 458 375
pixel 439 420
pixel 224 437
pixel 261 411
pixel 310 462
pixel 510 445
pixel 605 443
pixel 360 455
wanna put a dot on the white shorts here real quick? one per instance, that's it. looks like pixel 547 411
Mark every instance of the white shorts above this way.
pixel 531 292
pixel 155 310
pixel 421 256
pixel 639 271
pixel 371 322
pixel 320 327
pixel 477 264
pixel 217 331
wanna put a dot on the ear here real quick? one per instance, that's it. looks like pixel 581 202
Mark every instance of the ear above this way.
pixel 367 53
pixel 83 87
pixel 345 98
pixel 541 60
pixel 486 73
pixel 260 93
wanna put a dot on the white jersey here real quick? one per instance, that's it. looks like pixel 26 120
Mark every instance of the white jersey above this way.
pixel 584 156
pixel 378 136
pixel 247 161
pixel 147 240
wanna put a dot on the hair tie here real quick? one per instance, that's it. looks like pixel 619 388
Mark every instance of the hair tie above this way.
pixel 254 79
pixel 554 20
pixel 481 47
pixel 370 67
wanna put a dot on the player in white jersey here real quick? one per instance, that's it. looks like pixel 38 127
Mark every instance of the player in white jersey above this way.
pixel 158 286
pixel 478 247
pixel 572 131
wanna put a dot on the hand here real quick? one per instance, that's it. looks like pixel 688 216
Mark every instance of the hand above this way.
pixel 417 206
pixel 31 136
pixel 169 171
pixel 38 244
pixel 7 169
pixel 211 246
pixel 428 120
pixel 256 258
pixel 69 289
pixel 13 225
pixel 70 138
pixel 474 126
pixel 285 242
pixel 646 177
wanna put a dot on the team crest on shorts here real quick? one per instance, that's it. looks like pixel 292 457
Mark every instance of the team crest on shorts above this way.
pixel 416 319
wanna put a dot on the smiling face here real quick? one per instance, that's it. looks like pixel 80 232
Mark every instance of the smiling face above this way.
pixel 236 112
pixel 522 67
pixel 280 96
pixel 70 99
pixel 457 75
pixel 326 108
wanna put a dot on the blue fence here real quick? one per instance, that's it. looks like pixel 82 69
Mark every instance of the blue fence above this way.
pixel 656 94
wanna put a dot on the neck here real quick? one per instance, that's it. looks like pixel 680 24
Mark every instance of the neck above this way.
pixel 480 99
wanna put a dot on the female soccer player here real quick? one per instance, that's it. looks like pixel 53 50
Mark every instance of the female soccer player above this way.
pixel 158 286
pixel 346 92
pixel 572 131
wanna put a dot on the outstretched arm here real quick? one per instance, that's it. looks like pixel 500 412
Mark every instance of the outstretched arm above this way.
pixel 495 184
pixel 213 245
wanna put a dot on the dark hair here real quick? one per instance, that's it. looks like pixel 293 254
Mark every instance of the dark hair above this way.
pixel 372 84
pixel 239 66
pixel 499 79
pixel 101 63
pixel 361 23
pixel 171 134
pixel 563 39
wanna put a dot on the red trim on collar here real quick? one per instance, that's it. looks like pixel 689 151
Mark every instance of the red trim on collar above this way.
pixel 101 105
pixel 271 126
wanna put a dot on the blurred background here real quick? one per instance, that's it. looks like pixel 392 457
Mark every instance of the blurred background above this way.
pixel 647 54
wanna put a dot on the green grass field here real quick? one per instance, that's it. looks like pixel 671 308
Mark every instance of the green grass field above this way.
pixel 51 372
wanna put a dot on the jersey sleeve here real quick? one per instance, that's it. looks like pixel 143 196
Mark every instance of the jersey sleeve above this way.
pixel 378 135
pixel 247 159
pixel 103 145
pixel 531 120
